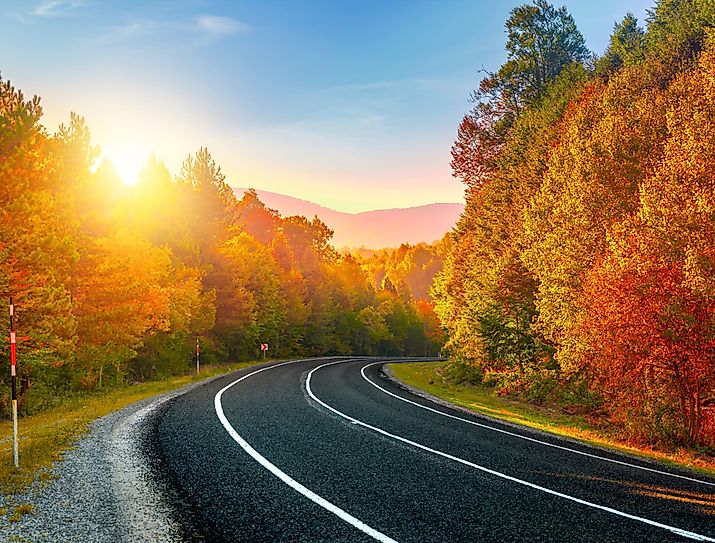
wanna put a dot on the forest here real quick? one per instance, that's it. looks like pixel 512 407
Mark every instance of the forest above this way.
pixel 114 284
pixel 582 272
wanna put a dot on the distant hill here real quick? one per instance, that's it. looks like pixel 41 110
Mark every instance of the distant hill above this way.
pixel 372 229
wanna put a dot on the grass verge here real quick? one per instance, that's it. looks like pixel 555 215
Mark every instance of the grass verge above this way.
pixel 426 376
pixel 44 438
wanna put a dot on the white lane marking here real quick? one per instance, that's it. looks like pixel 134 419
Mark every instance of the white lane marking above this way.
pixel 513 434
pixel 295 485
pixel 673 529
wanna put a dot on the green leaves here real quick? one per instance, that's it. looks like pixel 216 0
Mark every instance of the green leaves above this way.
pixel 626 47
pixel 541 42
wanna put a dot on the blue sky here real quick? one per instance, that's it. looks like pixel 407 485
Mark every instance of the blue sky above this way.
pixel 353 105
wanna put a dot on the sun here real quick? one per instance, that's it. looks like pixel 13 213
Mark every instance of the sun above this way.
pixel 128 162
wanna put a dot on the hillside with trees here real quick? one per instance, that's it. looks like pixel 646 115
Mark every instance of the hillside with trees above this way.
pixel 582 272
pixel 114 284
pixel 408 272
pixel 375 229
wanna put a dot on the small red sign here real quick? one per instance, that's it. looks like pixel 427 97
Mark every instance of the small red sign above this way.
pixel 264 346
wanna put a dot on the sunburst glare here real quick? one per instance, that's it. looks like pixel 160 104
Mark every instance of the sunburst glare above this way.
pixel 128 162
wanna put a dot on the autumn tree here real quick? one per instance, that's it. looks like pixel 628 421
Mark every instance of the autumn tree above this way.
pixel 121 300
pixel 258 220
pixel 37 239
pixel 209 202
pixel 651 300
pixel 583 261
pixel 652 346
pixel 410 268
pixel 256 282
pixel 541 42
pixel 114 284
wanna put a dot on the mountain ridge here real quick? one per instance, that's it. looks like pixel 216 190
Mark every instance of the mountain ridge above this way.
pixel 374 229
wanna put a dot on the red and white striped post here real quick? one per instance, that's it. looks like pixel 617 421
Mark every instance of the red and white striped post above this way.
pixel 197 356
pixel 13 374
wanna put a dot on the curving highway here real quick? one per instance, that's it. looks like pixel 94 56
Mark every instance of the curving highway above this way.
pixel 330 450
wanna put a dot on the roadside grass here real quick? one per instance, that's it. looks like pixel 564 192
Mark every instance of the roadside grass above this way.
pixel 426 376
pixel 44 438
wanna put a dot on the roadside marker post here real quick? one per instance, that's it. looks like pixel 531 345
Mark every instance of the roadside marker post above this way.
pixel 264 348
pixel 198 366
pixel 13 374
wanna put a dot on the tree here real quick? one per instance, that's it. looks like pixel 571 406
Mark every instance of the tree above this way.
pixel 652 339
pixel 486 292
pixel 210 212
pixel 541 42
pixel 656 318
pixel 256 219
pixel 435 336
pixel 257 280
pixel 625 48
pixel 503 289
pixel 121 299
pixel 108 277
pixel 611 139
pixel 677 31
pixel 584 258
pixel 38 233
pixel 210 205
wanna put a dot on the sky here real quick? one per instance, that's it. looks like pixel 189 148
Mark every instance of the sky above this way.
pixel 353 105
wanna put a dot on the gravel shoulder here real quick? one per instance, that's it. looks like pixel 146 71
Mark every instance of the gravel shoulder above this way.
pixel 103 490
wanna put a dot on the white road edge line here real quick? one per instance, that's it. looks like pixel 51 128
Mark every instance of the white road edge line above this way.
pixel 295 485
pixel 576 451
pixel 672 529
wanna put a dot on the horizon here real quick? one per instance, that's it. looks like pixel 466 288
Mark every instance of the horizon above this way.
pixel 375 229
pixel 258 190
pixel 317 102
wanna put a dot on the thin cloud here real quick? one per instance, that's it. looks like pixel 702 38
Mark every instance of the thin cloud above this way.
pixel 376 85
pixel 219 26
pixel 56 8
pixel 200 27
pixel 126 31
pixel 383 85
pixel 372 119
pixel 331 122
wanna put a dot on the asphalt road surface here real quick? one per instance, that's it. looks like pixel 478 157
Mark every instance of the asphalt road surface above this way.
pixel 329 450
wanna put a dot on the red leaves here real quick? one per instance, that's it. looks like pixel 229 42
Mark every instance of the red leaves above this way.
pixel 652 338
pixel 475 150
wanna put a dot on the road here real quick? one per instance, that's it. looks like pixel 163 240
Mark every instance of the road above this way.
pixel 329 450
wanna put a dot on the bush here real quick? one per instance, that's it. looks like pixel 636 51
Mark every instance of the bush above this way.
pixel 462 373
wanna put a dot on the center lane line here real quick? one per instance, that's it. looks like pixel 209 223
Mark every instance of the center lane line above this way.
pixel 287 479
pixel 678 531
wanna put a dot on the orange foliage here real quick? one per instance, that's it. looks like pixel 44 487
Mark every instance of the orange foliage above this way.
pixel 652 340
